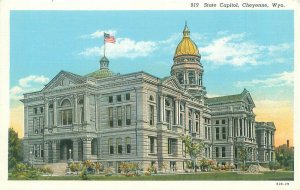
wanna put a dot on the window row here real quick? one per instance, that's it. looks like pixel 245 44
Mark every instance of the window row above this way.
pixel 39 110
pixel 38 151
pixel 38 125
pixel 223 152
pixel 223 133
pixel 207 133
pixel 117 148
pixel 118 114
pixel 119 98
pixel 218 121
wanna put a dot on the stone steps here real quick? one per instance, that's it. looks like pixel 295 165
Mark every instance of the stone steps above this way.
pixel 58 168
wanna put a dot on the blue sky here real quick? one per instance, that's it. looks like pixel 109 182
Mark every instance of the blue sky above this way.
pixel 240 49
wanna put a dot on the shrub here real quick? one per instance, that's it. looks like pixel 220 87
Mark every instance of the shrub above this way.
pixel 108 171
pixel 84 174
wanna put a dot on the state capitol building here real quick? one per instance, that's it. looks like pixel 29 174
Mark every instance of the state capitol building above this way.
pixel 137 117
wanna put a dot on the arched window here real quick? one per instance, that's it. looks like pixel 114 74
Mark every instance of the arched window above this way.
pixel 180 78
pixel 66 117
pixel 167 103
pixel 81 111
pixel 191 78
pixel 151 98
pixel 197 123
pixel 65 103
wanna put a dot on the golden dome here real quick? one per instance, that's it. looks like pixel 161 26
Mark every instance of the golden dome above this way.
pixel 186 46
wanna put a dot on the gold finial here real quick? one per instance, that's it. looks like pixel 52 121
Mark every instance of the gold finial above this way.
pixel 186 31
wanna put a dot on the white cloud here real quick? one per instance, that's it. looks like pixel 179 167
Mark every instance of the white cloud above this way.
pixel 27 81
pixel 124 47
pixel 99 34
pixel 236 50
pixel 27 84
pixel 280 79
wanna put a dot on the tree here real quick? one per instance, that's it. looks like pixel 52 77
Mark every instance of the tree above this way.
pixel 243 155
pixel 285 156
pixel 193 148
pixel 14 148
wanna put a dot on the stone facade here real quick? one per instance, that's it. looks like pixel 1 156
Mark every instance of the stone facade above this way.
pixel 138 117
pixel 265 132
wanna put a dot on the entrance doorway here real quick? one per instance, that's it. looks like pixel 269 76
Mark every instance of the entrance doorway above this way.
pixel 65 147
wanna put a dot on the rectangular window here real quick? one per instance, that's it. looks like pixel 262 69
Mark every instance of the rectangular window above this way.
pixel 205 133
pixel 128 115
pixel 36 150
pixel 152 144
pixel 190 126
pixel 217 133
pixel 81 115
pixel 35 110
pixel 119 145
pixel 111 117
pixel 41 125
pixel 128 145
pixel 51 119
pixel 168 118
pixel 235 152
pixel 110 99
pixel 181 119
pixel 66 117
pixel 172 145
pixel 119 113
pixel 223 121
pixel 119 98
pixel 35 125
pixel 127 96
pixel 217 152
pixel 197 126
pixel 223 152
pixel 208 133
pixel 151 115
pixel 217 122
pixel 223 133
pixel 110 146
pixel 41 109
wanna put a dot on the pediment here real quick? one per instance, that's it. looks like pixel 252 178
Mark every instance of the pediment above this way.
pixel 64 79
pixel 247 98
pixel 172 82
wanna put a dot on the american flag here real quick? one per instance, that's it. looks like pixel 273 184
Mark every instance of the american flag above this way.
pixel 108 38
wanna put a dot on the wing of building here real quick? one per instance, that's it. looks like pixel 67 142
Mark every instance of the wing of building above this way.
pixel 137 117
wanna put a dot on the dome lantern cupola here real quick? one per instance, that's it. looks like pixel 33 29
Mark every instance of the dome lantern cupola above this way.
pixel 187 67
pixel 104 62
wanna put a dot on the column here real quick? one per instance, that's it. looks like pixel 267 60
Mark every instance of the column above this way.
pixel 161 108
pixel 238 127
pixel 87 148
pixel 75 149
pixel 55 111
pixel 86 108
pixel 75 109
pixel 246 127
pixel 230 129
pixel 243 127
pixel 46 114
pixel 54 151
pixel 26 121
pixel 46 152
pixel 176 111
pixel 164 108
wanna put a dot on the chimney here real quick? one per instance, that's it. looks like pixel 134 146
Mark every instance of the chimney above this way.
pixel 288 143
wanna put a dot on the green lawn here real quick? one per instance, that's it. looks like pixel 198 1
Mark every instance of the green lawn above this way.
pixel 200 176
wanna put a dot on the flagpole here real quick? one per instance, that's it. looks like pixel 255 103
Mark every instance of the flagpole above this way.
pixel 104 44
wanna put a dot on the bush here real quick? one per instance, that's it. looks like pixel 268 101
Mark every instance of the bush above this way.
pixel 84 173
pixel 108 171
